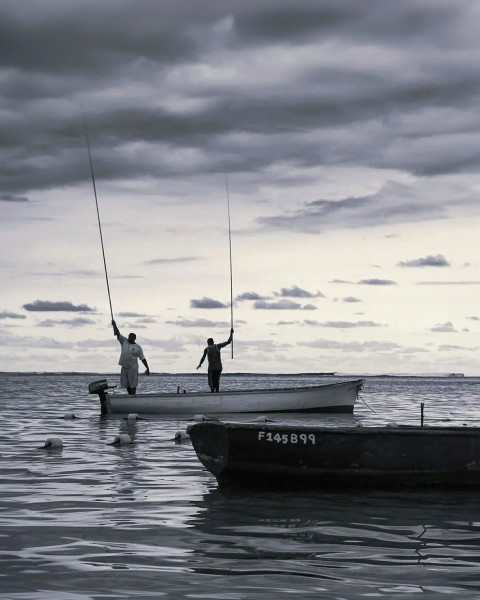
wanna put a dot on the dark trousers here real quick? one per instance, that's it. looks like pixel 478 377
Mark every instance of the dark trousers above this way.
pixel 214 380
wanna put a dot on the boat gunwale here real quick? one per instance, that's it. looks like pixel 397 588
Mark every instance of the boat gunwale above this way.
pixel 357 430
pixel 358 382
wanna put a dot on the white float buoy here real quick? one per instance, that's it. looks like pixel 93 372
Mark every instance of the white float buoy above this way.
pixel 262 419
pixel 54 443
pixel 69 415
pixel 392 424
pixel 181 435
pixel 122 439
pixel 199 418
pixel 132 417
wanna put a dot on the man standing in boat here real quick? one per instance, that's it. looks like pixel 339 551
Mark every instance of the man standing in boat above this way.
pixel 128 360
pixel 212 351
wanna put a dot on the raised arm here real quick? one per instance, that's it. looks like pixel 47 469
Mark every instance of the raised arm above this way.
pixel 229 341
pixel 115 329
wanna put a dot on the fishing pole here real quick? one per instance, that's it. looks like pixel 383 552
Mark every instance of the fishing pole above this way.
pixel 230 247
pixel 98 217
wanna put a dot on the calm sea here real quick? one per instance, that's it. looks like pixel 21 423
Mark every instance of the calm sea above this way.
pixel 93 521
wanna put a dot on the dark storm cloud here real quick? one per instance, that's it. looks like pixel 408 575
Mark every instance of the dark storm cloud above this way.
pixel 282 305
pixel 12 198
pixel 297 292
pixel 376 282
pixel 207 303
pixel 47 306
pixel 4 314
pixel 429 261
pixel 393 203
pixel 379 84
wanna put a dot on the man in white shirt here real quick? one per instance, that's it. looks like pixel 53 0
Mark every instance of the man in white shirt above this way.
pixel 131 352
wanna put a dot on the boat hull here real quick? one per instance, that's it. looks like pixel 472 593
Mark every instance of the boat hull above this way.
pixel 334 397
pixel 321 457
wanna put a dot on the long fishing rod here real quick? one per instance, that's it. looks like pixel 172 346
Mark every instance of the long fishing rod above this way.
pixel 98 217
pixel 230 247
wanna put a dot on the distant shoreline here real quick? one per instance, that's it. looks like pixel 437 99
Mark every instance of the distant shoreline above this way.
pixel 449 376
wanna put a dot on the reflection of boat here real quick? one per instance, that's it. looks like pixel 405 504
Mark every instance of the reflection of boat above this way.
pixel 290 455
pixel 328 398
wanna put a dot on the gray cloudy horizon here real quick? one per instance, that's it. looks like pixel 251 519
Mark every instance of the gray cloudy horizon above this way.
pixel 346 134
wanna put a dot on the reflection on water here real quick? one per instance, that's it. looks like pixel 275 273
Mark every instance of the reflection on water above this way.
pixel 94 521
pixel 367 541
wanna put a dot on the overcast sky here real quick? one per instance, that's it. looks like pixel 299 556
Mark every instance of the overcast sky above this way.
pixel 344 134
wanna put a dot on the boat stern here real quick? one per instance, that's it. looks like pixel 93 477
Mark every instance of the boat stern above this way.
pixel 100 386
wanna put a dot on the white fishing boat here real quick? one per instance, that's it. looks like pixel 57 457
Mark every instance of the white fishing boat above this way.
pixel 326 398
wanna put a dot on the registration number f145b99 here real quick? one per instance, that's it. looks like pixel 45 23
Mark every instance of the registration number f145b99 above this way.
pixel 286 438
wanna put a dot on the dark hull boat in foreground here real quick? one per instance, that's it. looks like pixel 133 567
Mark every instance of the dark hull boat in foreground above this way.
pixel 326 457
pixel 329 398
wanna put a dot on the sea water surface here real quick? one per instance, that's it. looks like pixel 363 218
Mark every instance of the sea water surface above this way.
pixel 95 521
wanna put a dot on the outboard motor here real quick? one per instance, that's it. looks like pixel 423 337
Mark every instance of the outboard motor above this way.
pixel 99 387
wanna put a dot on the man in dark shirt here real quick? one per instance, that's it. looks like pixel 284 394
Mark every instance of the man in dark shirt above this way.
pixel 212 351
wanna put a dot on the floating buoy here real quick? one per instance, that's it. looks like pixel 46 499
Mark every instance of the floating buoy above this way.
pixel 199 418
pixel 181 435
pixel 132 417
pixel 359 425
pixel 122 440
pixel 69 415
pixel 262 419
pixel 392 424
pixel 53 443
